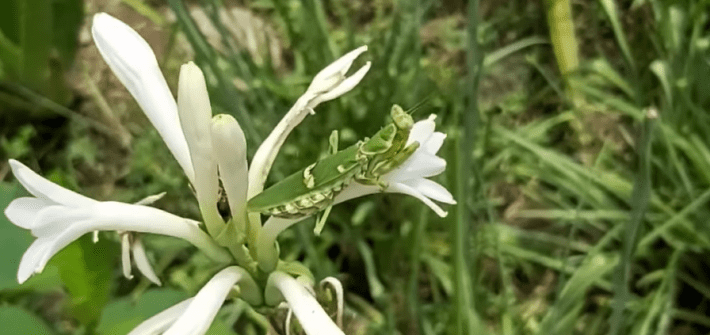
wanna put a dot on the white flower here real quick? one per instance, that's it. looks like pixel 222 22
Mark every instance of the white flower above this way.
pixel 304 305
pixel 194 316
pixel 410 177
pixel 57 216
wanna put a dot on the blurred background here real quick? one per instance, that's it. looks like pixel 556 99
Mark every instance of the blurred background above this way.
pixel 578 149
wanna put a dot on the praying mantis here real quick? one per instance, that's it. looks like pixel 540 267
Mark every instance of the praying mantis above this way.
pixel 314 188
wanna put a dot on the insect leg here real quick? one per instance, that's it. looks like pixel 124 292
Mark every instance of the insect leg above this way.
pixel 394 162
pixel 333 143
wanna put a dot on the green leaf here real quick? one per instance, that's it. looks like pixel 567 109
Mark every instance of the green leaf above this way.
pixel 15 320
pixel 86 270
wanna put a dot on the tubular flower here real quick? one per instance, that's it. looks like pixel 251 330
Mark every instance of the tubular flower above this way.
pixel 57 216
pixel 409 178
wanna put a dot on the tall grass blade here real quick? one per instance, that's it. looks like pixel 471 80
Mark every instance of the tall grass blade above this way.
pixel 466 318
pixel 640 199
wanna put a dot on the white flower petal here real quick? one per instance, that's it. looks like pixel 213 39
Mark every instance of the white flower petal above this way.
pixel 133 61
pixel 431 189
pixel 230 148
pixel 198 316
pixel 267 255
pixel 195 117
pixel 344 87
pixel 420 165
pixel 334 73
pixel 22 211
pixel 142 262
pixel 355 190
pixel 158 323
pixel 45 189
pixel 29 264
pixel 310 314
pixel 421 130
pixel 405 189
pixel 433 144
pixel 52 220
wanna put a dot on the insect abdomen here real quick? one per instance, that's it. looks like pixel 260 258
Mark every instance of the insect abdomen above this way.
pixel 312 202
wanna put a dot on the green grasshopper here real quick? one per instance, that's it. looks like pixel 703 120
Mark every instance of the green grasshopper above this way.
pixel 313 188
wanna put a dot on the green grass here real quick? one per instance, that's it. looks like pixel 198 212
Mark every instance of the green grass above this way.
pixel 583 219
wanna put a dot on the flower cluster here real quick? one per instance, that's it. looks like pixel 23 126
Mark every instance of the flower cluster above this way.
pixel 209 150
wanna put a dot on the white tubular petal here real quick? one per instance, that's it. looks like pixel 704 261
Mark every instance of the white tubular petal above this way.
pixel 126 255
pixel 420 165
pixel 45 189
pixel 52 220
pixel 134 63
pixel 421 130
pixel 196 319
pixel 433 144
pixel 431 189
pixel 230 148
pixel 142 262
pixel 22 211
pixel 310 314
pixel 124 217
pixel 334 73
pixel 266 251
pixel 31 258
pixel 195 117
pixel 404 189
pixel 344 87
pixel 161 321
pixel 355 190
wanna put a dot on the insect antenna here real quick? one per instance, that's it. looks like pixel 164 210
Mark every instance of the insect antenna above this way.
pixel 419 104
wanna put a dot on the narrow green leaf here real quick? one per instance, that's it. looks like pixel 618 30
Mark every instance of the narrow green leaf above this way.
pixel 611 12
pixel 36 42
pixel 639 203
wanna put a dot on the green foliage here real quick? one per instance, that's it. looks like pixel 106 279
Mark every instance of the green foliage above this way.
pixel 15 320
pixel 86 271
pixel 38 42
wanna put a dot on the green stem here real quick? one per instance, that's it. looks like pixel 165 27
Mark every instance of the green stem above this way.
pixel 564 42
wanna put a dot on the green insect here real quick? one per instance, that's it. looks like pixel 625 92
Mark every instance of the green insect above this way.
pixel 313 189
